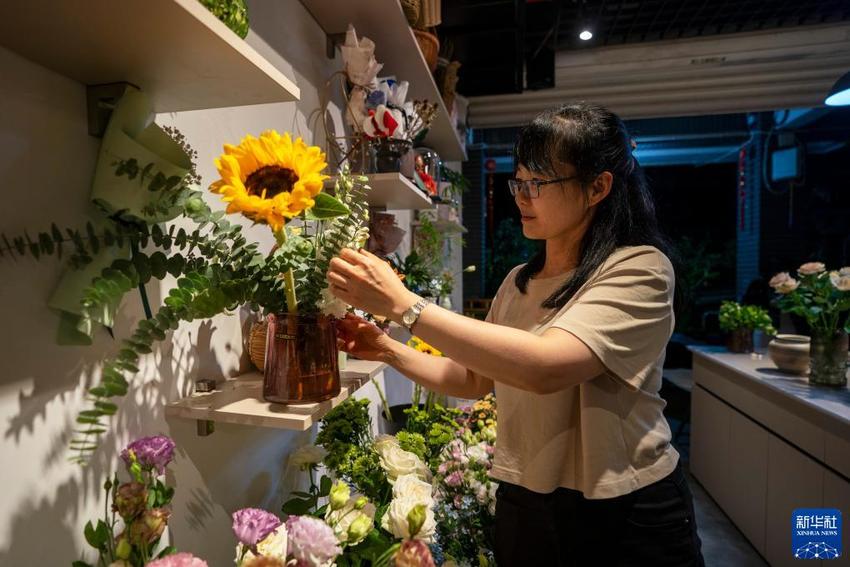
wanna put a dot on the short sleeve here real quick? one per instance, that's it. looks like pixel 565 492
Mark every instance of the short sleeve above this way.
pixel 495 305
pixel 625 314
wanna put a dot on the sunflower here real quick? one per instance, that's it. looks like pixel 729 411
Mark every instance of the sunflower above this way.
pixel 422 346
pixel 270 179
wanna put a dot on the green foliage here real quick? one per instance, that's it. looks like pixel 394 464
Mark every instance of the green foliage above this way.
pixel 436 424
pixel 413 443
pixel 417 276
pixel 735 316
pixel 346 436
pixel 428 244
pixel 458 183
pixel 511 249
pixel 233 13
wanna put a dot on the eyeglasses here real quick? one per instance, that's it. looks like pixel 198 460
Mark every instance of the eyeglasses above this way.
pixel 530 188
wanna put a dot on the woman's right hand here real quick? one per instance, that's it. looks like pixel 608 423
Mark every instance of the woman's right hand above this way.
pixel 359 337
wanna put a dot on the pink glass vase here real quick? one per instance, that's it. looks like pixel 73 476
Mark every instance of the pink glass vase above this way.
pixel 302 362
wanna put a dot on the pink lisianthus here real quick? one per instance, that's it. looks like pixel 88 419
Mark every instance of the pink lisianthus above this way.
pixel 454 479
pixel 311 541
pixel 178 560
pixel 413 553
pixel 252 525
pixel 154 452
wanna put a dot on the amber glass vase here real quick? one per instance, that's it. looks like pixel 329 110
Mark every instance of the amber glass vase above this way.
pixel 302 361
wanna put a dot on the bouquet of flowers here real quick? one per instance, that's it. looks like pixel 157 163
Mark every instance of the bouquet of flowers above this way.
pixel 139 512
pixel 465 495
pixel 380 508
pixel 272 180
pixel 821 297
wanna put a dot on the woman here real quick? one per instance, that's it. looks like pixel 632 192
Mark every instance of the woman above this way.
pixel 573 345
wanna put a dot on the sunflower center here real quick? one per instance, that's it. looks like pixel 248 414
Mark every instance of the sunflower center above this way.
pixel 273 178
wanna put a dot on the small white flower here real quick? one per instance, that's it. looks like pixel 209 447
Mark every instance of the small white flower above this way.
pixel 330 305
pixel 275 544
pixel 307 455
pixel 478 453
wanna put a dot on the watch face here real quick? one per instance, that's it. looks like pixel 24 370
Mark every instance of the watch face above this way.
pixel 408 318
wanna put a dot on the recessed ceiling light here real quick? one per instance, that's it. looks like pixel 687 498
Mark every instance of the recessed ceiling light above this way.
pixel 585 35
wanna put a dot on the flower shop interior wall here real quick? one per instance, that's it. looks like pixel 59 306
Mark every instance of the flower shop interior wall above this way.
pixel 47 165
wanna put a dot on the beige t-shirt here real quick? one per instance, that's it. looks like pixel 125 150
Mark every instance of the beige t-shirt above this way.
pixel 607 436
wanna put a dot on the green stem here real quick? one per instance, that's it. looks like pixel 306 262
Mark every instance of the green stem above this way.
pixel 384 405
pixel 385 557
pixel 288 276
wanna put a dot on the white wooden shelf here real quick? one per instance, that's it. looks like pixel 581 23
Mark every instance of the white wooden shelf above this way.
pixel 176 51
pixel 383 22
pixel 240 400
pixel 394 191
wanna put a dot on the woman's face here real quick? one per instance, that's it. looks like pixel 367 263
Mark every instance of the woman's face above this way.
pixel 560 209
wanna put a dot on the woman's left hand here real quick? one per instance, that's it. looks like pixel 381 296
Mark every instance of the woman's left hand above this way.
pixel 366 282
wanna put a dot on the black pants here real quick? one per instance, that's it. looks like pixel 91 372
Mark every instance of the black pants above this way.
pixel 653 526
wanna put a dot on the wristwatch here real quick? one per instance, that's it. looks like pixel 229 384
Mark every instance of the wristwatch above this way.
pixel 411 315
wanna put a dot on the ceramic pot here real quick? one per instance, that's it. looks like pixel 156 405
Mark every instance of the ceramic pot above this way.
pixel 790 353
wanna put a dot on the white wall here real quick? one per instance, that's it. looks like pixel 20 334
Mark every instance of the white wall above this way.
pixel 46 163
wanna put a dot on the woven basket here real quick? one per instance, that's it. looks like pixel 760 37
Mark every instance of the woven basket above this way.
pixel 411 10
pixel 257 344
pixel 430 47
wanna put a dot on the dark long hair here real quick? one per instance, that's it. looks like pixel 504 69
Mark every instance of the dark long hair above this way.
pixel 593 140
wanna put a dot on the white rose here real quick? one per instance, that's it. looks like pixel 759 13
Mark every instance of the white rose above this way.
pixel 412 486
pixel 384 441
pixel 783 283
pixel 395 520
pixel 478 454
pixel 307 455
pixel 397 462
pixel 811 268
pixel 330 305
pixel 840 281
pixel 844 272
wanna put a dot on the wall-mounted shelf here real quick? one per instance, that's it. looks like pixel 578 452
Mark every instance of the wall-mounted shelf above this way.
pixel 176 51
pixel 394 191
pixel 383 22
pixel 239 400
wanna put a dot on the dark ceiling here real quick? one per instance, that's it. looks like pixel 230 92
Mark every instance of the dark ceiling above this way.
pixel 499 41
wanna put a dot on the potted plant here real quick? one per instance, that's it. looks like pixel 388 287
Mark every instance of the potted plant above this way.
pixel 740 321
pixel 823 299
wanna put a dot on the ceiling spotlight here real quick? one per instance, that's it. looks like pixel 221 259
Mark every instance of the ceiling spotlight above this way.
pixel 585 35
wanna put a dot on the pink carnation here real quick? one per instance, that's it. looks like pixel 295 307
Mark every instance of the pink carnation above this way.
pixel 178 560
